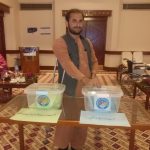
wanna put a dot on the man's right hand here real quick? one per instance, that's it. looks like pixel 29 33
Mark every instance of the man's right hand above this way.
pixel 94 82
pixel 91 82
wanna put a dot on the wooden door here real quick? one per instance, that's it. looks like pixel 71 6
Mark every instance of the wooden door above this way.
pixel 2 36
pixel 95 30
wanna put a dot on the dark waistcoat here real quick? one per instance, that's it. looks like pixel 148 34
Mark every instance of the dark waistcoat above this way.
pixel 73 52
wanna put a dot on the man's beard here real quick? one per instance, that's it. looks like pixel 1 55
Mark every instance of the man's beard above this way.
pixel 74 32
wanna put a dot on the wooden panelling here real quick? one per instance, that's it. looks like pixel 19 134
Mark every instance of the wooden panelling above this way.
pixel 119 52
pixel 51 52
pixel 35 6
pixel 113 52
pixel 46 67
pixel 146 53
pixel 46 52
pixel 136 6
pixel 110 68
pixel 92 13
pixel 40 52
pixel 4 8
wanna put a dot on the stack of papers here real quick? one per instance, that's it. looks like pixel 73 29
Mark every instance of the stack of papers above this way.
pixel 37 115
pixel 99 118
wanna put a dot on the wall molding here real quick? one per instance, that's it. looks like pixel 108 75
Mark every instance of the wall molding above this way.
pixel 137 6
pixel 25 6
pixel 119 52
pixel 51 52
pixel 110 68
pixel 40 52
pixel 4 8
pixel 92 13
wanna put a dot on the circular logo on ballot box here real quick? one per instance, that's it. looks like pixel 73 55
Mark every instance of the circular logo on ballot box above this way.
pixel 102 103
pixel 43 100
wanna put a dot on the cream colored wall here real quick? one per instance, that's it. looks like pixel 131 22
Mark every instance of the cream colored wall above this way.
pixel 112 24
pixel 43 38
pixel 38 19
pixel 134 33
pixel 135 1
pixel 87 5
pixel 126 29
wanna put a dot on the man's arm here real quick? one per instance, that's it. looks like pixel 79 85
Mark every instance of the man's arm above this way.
pixel 61 52
pixel 94 60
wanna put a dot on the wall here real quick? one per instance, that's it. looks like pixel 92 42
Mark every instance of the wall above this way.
pixel 43 37
pixel 112 24
pixel 126 29
pixel 38 19
pixel 85 5
pixel 133 33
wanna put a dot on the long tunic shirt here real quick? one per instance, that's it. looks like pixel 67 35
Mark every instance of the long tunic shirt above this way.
pixel 61 52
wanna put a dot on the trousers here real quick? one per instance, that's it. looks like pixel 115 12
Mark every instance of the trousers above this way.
pixel 75 136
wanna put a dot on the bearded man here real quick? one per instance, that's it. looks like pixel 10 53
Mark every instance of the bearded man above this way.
pixel 75 55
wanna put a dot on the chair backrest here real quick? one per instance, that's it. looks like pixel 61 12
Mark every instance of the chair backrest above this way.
pixel 130 66
pixel 126 56
pixel 138 57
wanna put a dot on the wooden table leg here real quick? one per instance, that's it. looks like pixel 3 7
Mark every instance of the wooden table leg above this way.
pixel 21 136
pixel 132 139
pixel 147 102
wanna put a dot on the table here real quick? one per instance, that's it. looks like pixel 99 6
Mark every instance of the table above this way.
pixel 6 85
pixel 138 117
pixel 144 88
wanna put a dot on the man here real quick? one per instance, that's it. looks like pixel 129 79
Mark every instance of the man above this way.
pixel 76 57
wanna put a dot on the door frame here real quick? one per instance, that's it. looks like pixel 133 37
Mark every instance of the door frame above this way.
pixel 92 13
pixel 3 9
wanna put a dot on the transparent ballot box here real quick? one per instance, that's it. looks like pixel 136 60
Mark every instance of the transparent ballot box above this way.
pixel 104 99
pixel 45 95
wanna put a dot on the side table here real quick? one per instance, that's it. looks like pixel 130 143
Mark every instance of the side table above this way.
pixel 6 92
pixel 145 89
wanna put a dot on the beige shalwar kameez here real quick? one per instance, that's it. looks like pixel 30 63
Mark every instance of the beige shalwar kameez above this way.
pixel 65 135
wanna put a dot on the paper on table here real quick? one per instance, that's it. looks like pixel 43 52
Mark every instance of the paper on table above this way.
pixel 37 115
pixel 98 118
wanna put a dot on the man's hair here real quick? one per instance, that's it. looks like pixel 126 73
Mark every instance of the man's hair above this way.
pixel 68 14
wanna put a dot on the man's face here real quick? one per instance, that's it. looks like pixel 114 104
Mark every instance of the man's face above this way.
pixel 75 23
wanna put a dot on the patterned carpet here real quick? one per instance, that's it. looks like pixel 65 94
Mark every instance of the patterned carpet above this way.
pixel 36 138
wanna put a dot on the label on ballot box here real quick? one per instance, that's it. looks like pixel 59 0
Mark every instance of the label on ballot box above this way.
pixel 102 102
pixel 42 99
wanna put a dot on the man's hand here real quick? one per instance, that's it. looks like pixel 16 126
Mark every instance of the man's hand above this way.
pixel 93 75
pixel 91 82
pixel 94 82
